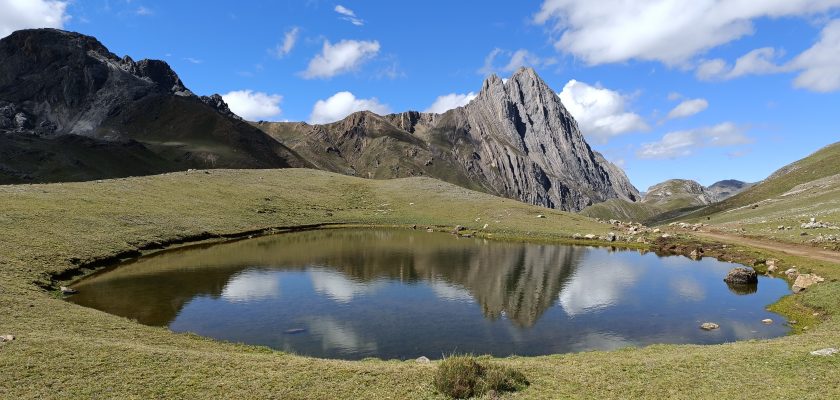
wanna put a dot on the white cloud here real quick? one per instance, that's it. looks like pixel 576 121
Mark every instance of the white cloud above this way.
pixel 289 40
pixel 818 67
pixel 252 105
pixel 683 143
pixel 757 62
pixel 25 14
pixel 343 104
pixel 143 11
pixel 348 15
pixel 518 58
pixel 193 60
pixel 688 108
pixel 820 64
pixel 670 31
pixel 600 113
pixel 450 101
pixel 341 57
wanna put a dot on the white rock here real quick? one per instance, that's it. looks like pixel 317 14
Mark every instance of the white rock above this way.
pixel 423 360
pixel 825 352
pixel 767 321
pixel 709 326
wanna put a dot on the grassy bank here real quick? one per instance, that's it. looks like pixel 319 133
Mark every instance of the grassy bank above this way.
pixel 63 350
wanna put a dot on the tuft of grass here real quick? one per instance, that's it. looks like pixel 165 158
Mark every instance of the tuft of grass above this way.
pixel 462 377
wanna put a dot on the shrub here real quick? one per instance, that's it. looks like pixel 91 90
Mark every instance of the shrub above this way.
pixel 461 377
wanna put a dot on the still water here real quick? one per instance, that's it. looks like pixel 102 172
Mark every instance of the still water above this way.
pixel 400 294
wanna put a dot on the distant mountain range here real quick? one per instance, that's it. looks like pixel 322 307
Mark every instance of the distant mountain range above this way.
pixel 72 110
pixel 668 199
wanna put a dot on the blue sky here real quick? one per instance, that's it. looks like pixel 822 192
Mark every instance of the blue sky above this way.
pixel 756 82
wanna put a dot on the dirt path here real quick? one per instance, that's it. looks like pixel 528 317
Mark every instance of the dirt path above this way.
pixel 788 248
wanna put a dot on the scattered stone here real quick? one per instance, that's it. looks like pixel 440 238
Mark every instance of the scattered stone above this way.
pixel 577 236
pixel 423 360
pixel 429 230
pixel 771 269
pixel 741 276
pixel 294 331
pixel 457 229
pixel 657 230
pixel 540 216
pixel 485 226
pixel 589 236
pixel 67 290
pixel 767 321
pixel 709 326
pixel 805 281
pixel 611 237
pixel 825 352
pixel 6 338
pixel 791 273
pixel 771 263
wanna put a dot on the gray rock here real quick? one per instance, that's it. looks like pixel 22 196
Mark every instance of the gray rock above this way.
pixel 741 276
pixel 805 281
pixel 6 338
pixel 67 290
pixel 830 351
pixel 422 360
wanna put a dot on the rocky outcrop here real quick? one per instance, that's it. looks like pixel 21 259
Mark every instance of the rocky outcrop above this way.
pixel 515 139
pixel 725 189
pixel 55 84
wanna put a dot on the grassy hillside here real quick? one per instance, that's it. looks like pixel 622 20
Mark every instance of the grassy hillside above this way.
pixel 67 351
pixel 622 210
pixel 662 201
pixel 822 164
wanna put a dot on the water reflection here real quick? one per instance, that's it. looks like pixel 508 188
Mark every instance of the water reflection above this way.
pixel 401 294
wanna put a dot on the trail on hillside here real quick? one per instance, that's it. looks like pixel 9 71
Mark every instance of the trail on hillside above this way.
pixel 787 248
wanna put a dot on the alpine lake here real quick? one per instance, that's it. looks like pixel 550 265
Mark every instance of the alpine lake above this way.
pixel 401 294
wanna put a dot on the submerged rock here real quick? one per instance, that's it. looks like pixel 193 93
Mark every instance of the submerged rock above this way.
pixel 741 276
pixel 709 326
pixel 767 321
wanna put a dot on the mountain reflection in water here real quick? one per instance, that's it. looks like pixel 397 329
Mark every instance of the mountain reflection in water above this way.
pixel 401 294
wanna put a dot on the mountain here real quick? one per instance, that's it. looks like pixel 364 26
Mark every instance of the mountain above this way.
pixel 666 200
pixel 72 110
pixel 725 189
pixel 515 139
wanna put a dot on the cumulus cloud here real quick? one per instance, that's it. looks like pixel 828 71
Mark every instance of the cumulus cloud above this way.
pixel 450 101
pixel 252 105
pixel 348 15
pixel 25 14
pixel 600 113
pixel 757 62
pixel 670 31
pixel 684 143
pixel 688 108
pixel 289 40
pixel 817 68
pixel 341 57
pixel 820 64
pixel 517 59
pixel 343 104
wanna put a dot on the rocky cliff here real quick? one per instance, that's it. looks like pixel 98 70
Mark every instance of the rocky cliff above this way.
pixel 55 83
pixel 515 139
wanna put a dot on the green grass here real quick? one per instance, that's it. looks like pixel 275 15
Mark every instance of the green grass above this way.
pixel 66 351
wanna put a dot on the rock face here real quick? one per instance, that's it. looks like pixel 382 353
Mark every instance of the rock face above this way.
pixel 515 139
pixel 55 83
pixel 725 189
pixel 741 276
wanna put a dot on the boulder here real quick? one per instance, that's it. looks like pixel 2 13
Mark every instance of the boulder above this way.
pixel 830 351
pixel 709 326
pixel 589 236
pixel 6 338
pixel 741 276
pixel 422 360
pixel 805 281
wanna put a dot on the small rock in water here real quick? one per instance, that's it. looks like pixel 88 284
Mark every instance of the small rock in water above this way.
pixel 825 352
pixel 67 290
pixel 767 321
pixel 294 331
pixel 709 326
pixel 740 276
pixel 422 360
pixel 6 338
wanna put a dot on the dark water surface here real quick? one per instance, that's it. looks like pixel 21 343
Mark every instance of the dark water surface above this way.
pixel 401 294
